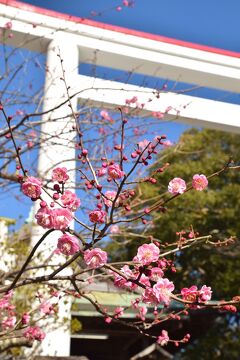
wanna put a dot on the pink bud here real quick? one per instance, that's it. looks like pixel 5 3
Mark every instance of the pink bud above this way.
pixel 55 196
pixel 84 152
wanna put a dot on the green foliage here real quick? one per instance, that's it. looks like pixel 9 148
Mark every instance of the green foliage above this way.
pixel 214 211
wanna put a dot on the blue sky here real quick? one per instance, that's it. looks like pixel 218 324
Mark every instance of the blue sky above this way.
pixel 208 22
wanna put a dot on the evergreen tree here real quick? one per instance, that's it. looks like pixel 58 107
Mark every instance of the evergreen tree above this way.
pixel 214 211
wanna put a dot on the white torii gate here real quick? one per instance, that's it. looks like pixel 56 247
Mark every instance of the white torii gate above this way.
pixel 88 41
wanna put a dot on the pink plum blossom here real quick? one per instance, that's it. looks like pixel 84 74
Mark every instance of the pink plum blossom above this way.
pixel 142 312
pixel 68 245
pixel 32 133
pixel 44 217
pixel 109 197
pixel 105 115
pixel 9 322
pixel 163 338
pixel 32 187
pixel 199 182
pixel 97 216
pixel 147 253
pixel 135 303
pixel 121 282
pixel 133 100
pixel 101 172
pixel 159 293
pixel 30 144
pixel 26 318
pixel 149 297
pixel 95 258
pixel 190 294
pixel 9 294
pixel 167 144
pixel 163 289
pixel 34 333
pixel 8 25
pixel 158 114
pixel 156 274
pixel 4 301
pixel 60 175
pixel 108 320
pixel 230 308
pixel 118 312
pixel 115 172
pixel 205 293
pixel 143 144
pixel 57 219
pixel 70 200
pixel 46 308
pixel 61 218
pixel 114 229
pixel 144 279
pixel 177 186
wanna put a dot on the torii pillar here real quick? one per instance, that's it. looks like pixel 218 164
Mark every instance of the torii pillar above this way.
pixel 57 147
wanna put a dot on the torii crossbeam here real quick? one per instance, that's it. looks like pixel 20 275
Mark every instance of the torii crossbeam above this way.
pixel 127 49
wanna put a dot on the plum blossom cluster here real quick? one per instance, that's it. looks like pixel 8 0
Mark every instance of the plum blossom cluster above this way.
pixel 32 187
pixel 163 338
pixel 179 186
pixel 194 295
pixel 109 197
pixel 105 115
pixel 47 308
pixel 147 273
pixel 47 216
pixel 34 333
pixel 146 276
pixel 25 323
pixel 97 216
pixel 115 172
pixel 7 312
pixel 57 219
pixel 159 293
pixel 125 3
pixel 148 148
pixel 70 200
